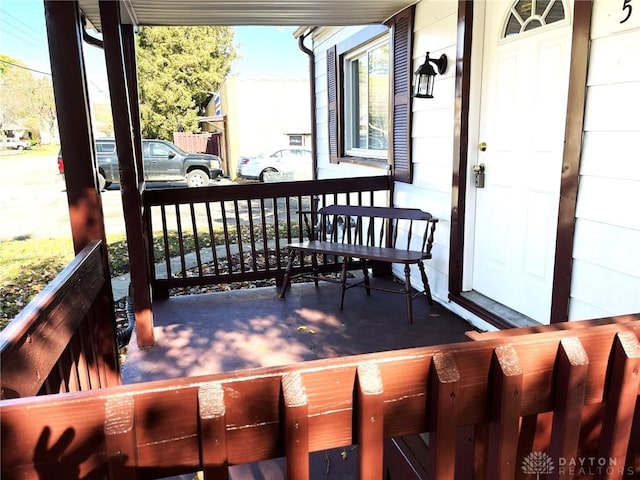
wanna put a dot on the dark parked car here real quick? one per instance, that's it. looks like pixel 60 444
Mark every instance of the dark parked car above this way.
pixel 162 161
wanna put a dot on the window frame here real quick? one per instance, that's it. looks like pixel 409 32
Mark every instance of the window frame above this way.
pixel 349 106
pixel 400 33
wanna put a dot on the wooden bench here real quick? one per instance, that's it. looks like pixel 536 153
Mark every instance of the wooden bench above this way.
pixel 368 234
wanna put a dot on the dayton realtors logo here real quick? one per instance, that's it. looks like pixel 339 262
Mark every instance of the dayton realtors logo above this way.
pixel 539 463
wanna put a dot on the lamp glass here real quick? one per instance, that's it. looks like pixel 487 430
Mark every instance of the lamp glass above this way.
pixel 425 76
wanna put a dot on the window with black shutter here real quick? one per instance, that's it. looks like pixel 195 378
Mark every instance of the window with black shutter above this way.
pixel 369 96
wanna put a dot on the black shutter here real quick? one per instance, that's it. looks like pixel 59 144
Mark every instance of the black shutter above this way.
pixel 401 49
pixel 332 92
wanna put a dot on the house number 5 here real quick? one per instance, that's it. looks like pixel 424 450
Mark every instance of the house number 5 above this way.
pixel 626 6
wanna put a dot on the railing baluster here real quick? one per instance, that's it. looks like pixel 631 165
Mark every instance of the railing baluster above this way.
pixel 276 227
pixel 212 239
pixel 370 422
pixel 505 389
pixel 61 367
pixel 301 221
pixel 252 237
pixel 445 379
pixel 621 399
pixel 196 241
pixel 120 437
pixel 94 361
pixel 212 430
pixel 73 383
pixel 227 240
pixel 265 241
pixel 183 264
pixel 296 426
pixel 287 210
pixel 570 384
pixel 165 239
pixel 239 235
pixel 84 382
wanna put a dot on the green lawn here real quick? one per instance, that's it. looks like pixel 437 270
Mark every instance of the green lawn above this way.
pixel 27 266
pixel 36 151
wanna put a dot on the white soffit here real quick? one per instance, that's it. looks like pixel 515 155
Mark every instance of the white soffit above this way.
pixel 250 12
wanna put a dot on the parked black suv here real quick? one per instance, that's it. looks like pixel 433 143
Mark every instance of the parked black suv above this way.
pixel 162 161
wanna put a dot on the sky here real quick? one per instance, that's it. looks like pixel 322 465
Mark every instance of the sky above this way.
pixel 265 52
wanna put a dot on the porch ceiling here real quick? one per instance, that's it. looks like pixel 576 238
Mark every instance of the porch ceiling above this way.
pixel 250 12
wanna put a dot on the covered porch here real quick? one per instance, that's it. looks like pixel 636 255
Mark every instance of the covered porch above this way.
pixel 216 382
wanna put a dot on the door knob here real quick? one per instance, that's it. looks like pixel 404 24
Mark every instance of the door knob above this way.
pixel 483 146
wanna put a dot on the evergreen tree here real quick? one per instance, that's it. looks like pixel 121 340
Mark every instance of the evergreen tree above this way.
pixel 177 67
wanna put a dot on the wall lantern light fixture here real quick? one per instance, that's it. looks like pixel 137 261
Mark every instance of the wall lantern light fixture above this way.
pixel 426 74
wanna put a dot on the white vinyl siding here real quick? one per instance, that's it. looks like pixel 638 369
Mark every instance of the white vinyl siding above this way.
pixel 606 256
pixel 435 31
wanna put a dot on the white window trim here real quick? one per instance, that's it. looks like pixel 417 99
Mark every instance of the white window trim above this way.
pixel 348 125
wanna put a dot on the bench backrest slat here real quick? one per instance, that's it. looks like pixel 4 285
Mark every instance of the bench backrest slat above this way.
pixel 381 224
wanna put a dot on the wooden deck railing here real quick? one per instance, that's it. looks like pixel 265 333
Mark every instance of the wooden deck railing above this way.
pixel 64 340
pixel 239 231
pixel 532 404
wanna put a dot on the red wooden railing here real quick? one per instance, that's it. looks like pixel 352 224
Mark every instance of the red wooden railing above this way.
pixel 494 408
pixel 64 340
pixel 245 227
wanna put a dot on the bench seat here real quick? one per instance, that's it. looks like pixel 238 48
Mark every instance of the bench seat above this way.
pixel 381 254
pixel 367 234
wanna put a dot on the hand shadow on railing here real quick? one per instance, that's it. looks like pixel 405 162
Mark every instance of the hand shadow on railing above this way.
pixel 56 461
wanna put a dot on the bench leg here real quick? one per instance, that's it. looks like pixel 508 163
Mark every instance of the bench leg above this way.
pixel 287 274
pixel 343 281
pixel 407 291
pixel 314 266
pixel 425 282
pixel 365 273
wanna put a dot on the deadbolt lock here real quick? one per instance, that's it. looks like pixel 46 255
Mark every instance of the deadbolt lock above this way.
pixel 478 171
pixel 483 146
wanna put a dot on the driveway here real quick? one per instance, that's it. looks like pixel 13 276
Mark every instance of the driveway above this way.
pixel 34 202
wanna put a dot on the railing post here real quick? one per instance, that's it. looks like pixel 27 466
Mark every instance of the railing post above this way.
pixel 370 420
pixel 296 427
pixel 119 75
pixel 570 384
pixel 443 413
pixel 120 438
pixel 212 429
pixel 505 393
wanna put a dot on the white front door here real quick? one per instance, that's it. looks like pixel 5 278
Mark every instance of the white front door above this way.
pixel 525 73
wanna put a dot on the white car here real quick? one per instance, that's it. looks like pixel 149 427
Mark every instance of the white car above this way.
pixel 13 143
pixel 295 161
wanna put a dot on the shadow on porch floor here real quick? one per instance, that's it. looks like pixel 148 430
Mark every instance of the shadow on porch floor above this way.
pixel 240 329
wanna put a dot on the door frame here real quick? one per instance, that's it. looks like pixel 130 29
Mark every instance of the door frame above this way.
pixel 466 119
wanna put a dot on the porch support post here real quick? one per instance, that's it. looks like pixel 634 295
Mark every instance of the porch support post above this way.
pixel 120 80
pixel 64 32
pixel 68 74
